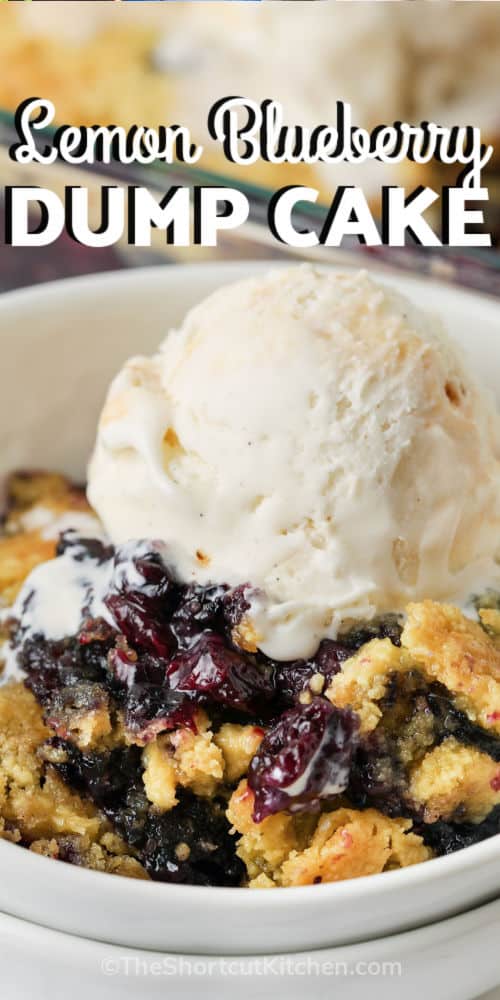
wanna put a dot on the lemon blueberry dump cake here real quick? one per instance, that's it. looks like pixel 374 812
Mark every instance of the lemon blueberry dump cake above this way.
pixel 255 660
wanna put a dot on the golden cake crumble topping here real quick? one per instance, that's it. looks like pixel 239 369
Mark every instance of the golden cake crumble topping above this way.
pixel 345 843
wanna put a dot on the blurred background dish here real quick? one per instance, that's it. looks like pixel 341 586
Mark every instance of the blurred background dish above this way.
pixel 108 62
pixel 104 63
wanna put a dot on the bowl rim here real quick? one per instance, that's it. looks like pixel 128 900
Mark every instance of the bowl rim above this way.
pixel 463 860
pixel 380 269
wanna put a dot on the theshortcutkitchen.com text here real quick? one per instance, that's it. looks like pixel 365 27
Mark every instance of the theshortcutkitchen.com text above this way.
pixel 245 132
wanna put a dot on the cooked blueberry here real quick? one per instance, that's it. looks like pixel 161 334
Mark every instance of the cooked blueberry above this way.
pixel 191 843
pixel 200 608
pixel 383 627
pixel 151 709
pixel 129 813
pixel 236 604
pixel 51 666
pixel 216 673
pixel 304 758
pixel 122 662
pixel 142 597
pixel 378 778
pixel 294 677
pixel 113 780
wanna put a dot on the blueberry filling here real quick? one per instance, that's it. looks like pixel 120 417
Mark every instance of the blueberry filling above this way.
pixel 450 721
pixel 167 648
pixel 190 843
pixel 106 777
pixel 294 677
pixel 55 668
pixel 387 627
pixel 448 837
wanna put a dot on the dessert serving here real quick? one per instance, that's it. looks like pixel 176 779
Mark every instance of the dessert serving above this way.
pixel 263 648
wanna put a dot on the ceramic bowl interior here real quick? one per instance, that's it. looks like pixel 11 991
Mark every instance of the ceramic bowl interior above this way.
pixel 59 346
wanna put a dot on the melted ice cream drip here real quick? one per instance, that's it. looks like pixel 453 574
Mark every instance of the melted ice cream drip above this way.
pixel 59 595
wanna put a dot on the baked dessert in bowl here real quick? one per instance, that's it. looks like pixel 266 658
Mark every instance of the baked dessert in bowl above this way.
pixel 178 732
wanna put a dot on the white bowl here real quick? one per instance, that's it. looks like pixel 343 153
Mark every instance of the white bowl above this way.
pixel 59 346
pixel 452 960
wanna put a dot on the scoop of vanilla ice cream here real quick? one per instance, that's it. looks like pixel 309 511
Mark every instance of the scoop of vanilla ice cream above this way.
pixel 315 435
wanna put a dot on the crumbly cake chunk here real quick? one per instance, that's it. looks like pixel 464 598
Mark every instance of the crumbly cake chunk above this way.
pixel 362 682
pixel 345 843
pixel 84 720
pixel 28 492
pixel 262 846
pixel 429 714
pixel 183 757
pixel 37 808
pixel 458 653
pixel 238 744
pixel 446 646
pixel 109 855
pixel 350 844
pixel 490 620
pixel 456 780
